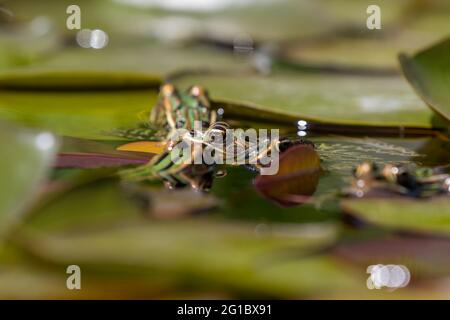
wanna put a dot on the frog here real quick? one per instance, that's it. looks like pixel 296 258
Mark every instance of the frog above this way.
pixel 177 112
pixel 180 110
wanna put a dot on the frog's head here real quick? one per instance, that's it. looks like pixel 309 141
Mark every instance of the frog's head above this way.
pixel 167 90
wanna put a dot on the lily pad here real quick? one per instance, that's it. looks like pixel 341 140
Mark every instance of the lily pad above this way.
pixel 82 114
pixel 108 205
pixel 410 25
pixel 93 160
pixel 371 54
pixel 219 255
pixel 76 80
pixel 229 19
pixel 325 99
pixel 297 177
pixel 431 216
pixel 26 159
pixel 425 257
pixel 429 73
pixel 154 60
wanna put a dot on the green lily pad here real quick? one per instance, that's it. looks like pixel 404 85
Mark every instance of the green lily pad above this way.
pixel 66 209
pixel 109 236
pixel 76 80
pixel 369 53
pixel 218 255
pixel 346 100
pixel 405 27
pixel 24 278
pixel 82 114
pixel 26 159
pixel 429 73
pixel 12 57
pixel 423 216
pixel 289 19
pixel 155 60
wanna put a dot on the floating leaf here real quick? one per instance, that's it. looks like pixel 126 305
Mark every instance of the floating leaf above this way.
pixel 374 51
pixel 92 160
pixel 76 80
pixel 237 185
pixel 297 177
pixel 429 73
pixel 24 278
pixel 289 19
pixel 430 216
pixel 347 100
pixel 218 255
pixel 83 114
pixel 153 61
pixel 91 202
pixel 365 55
pixel 25 161
pixel 424 257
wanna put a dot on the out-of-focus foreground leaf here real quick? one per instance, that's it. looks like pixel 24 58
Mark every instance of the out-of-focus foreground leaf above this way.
pixel 426 257
pixel 412 24
pixel 26 157
pixel 108 237
pixel 218 255
pixel 429 73
pixel 430 216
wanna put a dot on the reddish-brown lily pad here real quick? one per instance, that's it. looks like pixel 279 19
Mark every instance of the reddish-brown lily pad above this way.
pixel 297 177
pixel 96 160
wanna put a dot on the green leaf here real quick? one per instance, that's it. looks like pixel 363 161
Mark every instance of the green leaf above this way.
pixel 153 60
pixel 33 79
pixel 66 207
pixel 288 19
pixel 406 25
pixel 11 57
pixel 25 161
pixel 25 278
pixel 345 100
pixel 98 226
pixel 82 114
pixel 228 256
pixel 431 216
pixel 429 73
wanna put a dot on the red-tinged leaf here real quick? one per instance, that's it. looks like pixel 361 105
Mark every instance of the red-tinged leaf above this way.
pixel 94 160
pixel 297 177
pixel 424 256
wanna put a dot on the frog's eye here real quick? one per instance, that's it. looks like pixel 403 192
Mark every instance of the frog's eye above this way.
pixel 363 169
pixel 167 90
pixel 198 91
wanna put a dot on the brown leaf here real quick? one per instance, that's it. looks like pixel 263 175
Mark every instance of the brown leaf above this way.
pixel 297 177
